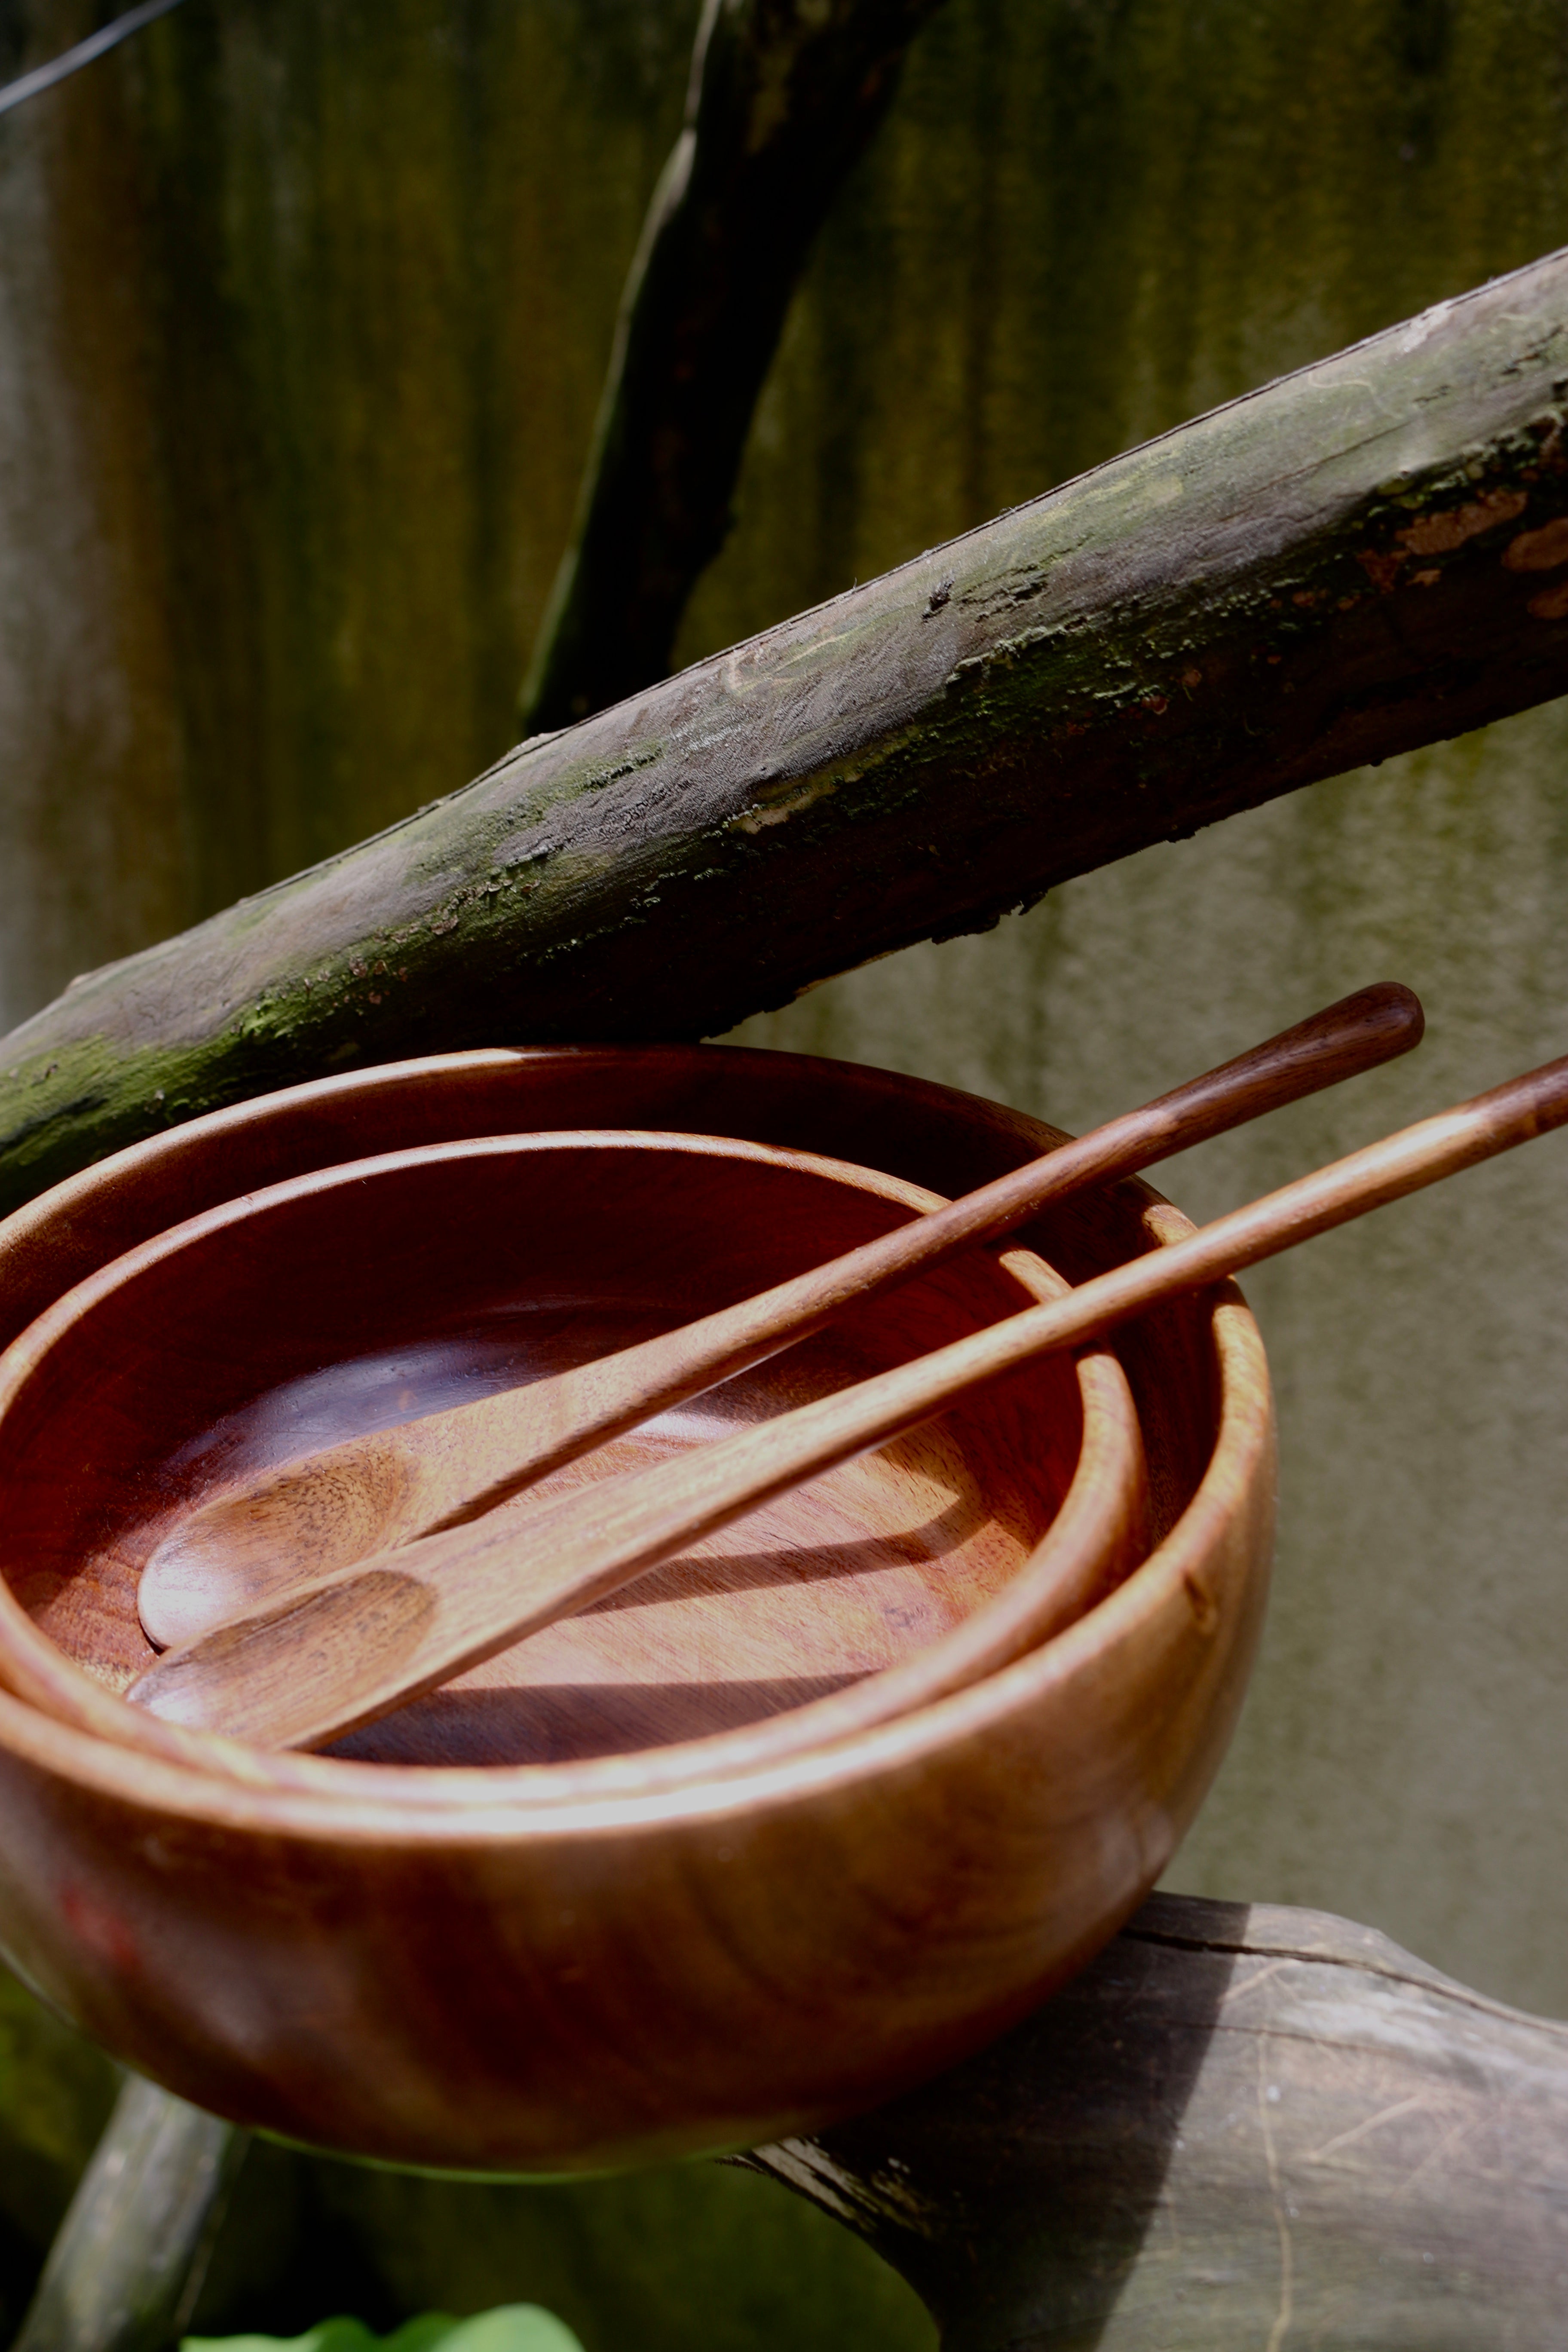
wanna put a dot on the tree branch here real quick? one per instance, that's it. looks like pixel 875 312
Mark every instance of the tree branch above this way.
pixel 127 2264
pixel 784 96
pixel 1240 2129
pixel 1366 556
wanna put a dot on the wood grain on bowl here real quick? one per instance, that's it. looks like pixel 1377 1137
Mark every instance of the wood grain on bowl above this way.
pixel 789 1100
pixel 619 1958
pixel 572 1978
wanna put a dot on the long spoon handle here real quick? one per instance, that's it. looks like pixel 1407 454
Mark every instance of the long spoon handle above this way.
pixel 369 1494
pixel 351 1648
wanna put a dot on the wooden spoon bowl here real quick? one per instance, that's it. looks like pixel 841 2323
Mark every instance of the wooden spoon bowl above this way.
pixel 617 1957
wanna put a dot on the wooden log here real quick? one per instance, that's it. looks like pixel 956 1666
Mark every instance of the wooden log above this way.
pixel 1242 2128
pixel 1362 557
pixel 128 2260
pixel 785 97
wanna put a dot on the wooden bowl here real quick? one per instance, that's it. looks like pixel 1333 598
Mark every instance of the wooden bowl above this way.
pixel 338 1302
pixel 550 1969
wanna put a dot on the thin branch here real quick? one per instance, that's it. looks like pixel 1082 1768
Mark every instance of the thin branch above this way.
pixel 70 61
pixel 128 2260
pixel 784 96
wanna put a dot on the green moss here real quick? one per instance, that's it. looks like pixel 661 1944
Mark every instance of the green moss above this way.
pixel 1083 223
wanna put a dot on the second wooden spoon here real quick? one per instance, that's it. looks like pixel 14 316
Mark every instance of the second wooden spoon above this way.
pixel 343 1650
pixel 369 1493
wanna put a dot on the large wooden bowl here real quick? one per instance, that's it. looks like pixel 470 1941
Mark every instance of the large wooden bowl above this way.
pixel 555 1968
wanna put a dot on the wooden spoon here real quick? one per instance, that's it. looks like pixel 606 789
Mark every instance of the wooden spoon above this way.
pixel 339 1653
pixel 369 1493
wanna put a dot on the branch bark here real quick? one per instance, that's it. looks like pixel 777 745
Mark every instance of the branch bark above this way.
pixel 1241 2129
pixel 785 97
pixel 128 2260
pixel 1364 557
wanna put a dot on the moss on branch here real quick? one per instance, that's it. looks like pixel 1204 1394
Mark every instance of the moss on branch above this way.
pixel 1366 556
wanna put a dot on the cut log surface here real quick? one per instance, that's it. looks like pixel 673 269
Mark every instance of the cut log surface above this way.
pixel 1366 556
pixel 1241 2126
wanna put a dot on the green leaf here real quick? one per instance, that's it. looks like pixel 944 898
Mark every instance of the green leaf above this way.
pixel 512 2327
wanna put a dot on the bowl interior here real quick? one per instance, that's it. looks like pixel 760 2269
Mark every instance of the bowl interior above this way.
pixel 359 1296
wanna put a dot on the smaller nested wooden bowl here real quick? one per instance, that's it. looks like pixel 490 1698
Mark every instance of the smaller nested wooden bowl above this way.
pixel 563 1967
pixel 358 1296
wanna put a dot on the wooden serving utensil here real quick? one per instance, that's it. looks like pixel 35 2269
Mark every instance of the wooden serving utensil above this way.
pixel 371 1494
pixel 347 1648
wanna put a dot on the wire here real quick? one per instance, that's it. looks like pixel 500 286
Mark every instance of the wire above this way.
pixel 45 77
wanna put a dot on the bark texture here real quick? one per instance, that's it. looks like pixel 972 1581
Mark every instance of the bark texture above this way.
pixel 126 2268
pixel 1361 558
pixel 1241 2129
pixel 784 96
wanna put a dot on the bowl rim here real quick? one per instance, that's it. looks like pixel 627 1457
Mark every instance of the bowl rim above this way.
pixel 1109 1462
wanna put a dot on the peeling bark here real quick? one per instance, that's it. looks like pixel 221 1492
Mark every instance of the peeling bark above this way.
pixel 1361 558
